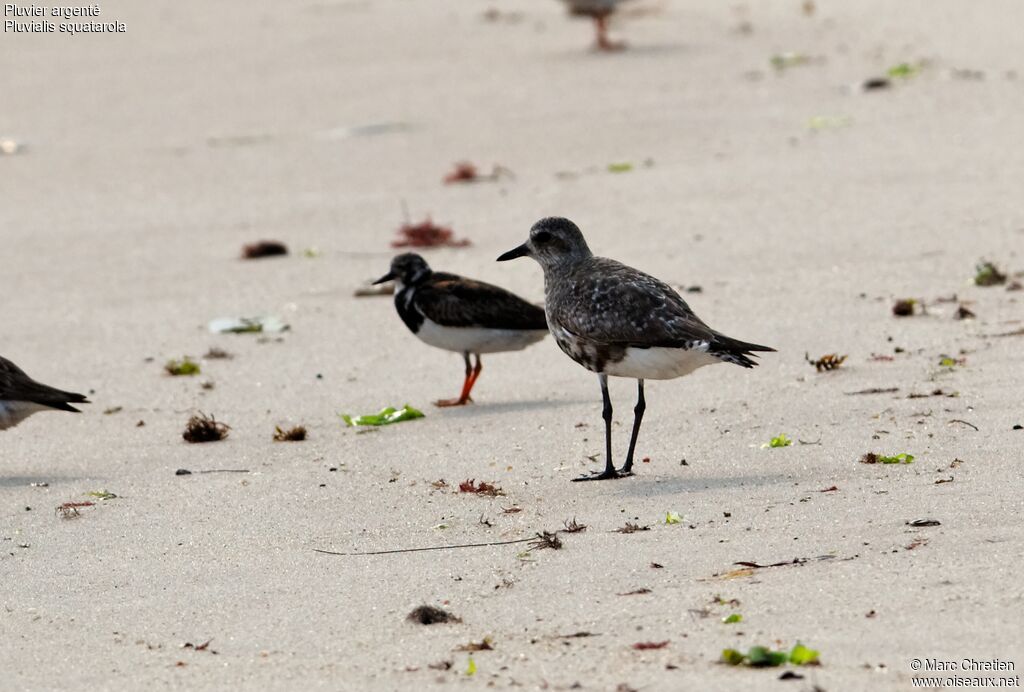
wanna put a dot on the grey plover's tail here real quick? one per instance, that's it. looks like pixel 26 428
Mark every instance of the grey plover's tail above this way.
pixel 58 399
pixel 735 351
pixel 16 386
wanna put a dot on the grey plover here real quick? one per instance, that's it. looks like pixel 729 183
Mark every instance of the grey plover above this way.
pixel 615 320
pixel 21 396
pixel 599 11
pixel 462 315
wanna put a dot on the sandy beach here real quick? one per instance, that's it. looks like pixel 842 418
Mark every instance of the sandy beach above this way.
pixel 802 206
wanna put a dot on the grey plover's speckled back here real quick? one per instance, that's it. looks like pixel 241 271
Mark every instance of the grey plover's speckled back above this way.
pixel 462 315
pixel 616 320
pixel 21 396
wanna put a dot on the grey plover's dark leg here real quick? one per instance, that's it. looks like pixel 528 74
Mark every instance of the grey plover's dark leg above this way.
pixel 638 415
pixel 467 384
pixel 606 413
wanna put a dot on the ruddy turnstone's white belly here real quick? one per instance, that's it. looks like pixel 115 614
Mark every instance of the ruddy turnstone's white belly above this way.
pixel 477 339
pixel 13 412
pixel 659 363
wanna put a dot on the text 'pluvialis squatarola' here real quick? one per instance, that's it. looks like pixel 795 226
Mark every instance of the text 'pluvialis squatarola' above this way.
pixel 615 320
pixel 462 315
pixel 21 396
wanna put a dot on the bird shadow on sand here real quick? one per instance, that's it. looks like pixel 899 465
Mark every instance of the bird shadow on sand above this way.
pixel 476 410
pixel 632 49
pixel 640 486
pixel 25 481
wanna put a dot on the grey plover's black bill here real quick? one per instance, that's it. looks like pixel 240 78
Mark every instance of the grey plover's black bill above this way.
pixel 472 373
pixel 390 276
pixel 521 251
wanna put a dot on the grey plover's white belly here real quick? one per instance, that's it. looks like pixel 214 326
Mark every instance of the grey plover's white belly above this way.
pixel 659 363
pixel 654 363
pixel 477 339
pixel 13 412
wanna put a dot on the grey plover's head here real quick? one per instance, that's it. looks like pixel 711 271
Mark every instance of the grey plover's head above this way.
pixel 409 268
pixel 553 241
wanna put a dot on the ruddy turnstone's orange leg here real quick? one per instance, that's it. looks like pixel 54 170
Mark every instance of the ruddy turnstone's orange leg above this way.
pixel 603 42
pixel 467 384
pixel 476 373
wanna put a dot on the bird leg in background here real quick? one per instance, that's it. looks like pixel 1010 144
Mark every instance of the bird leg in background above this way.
pixel 609 469
pixel 603 42
pixel 467 384
pixel 638 415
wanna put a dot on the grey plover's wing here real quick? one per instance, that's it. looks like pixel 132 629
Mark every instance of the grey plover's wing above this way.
pixel 454 301
pixel 607 303
pixel 15 385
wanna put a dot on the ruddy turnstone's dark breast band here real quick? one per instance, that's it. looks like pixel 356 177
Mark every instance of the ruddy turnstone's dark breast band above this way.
pixel 615 320
pixel 462 315
pixel 21 396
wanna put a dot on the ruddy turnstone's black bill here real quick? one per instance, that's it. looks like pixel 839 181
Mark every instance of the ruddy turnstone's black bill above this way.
pixel 462 315
pixel 599 11
pixel 21 396
pixel 616 320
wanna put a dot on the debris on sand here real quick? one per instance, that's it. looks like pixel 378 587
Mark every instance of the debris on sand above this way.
pixel 632 528
pixel 296 434
pixel 247 325
pixel 963 313
pixel 217 353
pixel 546 540
pixel 829 361
pixel 645 646
pixel 203 428
pixel 466 172
pixel 987 274
pixel 481 488
pixel 10 147
pixel 427 234
pixel 486 644
pixel 69 510
pixel 905 307
pixel 876 83
pixel 762 657
pixel 779 440
pixel 875 390
pixel 872 458
pixel 904 70
pixel 264 248
pixel 205 646
pixel 184 367
pixel 429 615
pixel 785 61
pixel 386 416
pixel 573 527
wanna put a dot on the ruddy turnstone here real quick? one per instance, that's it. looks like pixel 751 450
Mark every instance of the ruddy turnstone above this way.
pixel 615 320
pixel 21 396
pixel 599 11
pixel 462 315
